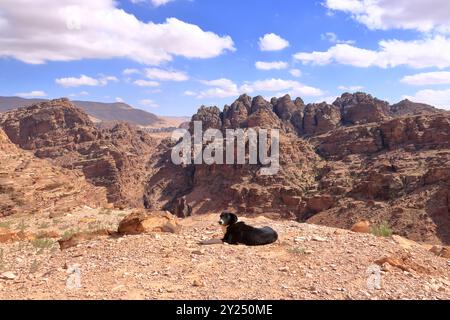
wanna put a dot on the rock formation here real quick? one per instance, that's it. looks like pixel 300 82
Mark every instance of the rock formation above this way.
pixel 30 185
pixel 356 159
pixel 57 130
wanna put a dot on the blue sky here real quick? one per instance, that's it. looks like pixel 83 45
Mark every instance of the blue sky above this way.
pixel 171 56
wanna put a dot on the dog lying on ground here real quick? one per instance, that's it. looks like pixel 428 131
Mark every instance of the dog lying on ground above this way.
pixel 241 233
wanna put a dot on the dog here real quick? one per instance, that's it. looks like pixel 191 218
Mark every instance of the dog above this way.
pixel 241 233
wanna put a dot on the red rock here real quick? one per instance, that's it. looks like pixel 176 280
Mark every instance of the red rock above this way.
pixel 146 222
pixel 361 227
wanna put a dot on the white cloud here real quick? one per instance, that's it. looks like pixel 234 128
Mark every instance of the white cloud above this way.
pixel 272 42
pixel 84 80
pixel 223 88
pixel 423 16
pixel 32 94
pixel 130 71
pixel 158 3
pixel 280 85
pixel 429 52
pixel 146 83
pixel 333 38
pixel 86 29
pixel 437 98
pixel 190 93
pixel 82 93
pixel 276 65
pixel 427 78
pixel 165 75
pixel 351 88
pixel 105 79
pixel 155 3
pixel 148 103
pixel 119 99
pixel 295 73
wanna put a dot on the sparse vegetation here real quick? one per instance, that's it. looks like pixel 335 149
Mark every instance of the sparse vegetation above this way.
pixel 298 250
pixel 22 226
pixel 43 225
pixel 42 244
pixel 381 230
pixel 5 224
pixel 34 266
pixel 69 233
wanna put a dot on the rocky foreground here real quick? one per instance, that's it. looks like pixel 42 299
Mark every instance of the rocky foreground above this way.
pixel 308 262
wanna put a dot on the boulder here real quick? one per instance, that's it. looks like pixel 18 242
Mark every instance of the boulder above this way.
pixel 362 226
pixel 146 222
pixel 80 237
pixel 320 203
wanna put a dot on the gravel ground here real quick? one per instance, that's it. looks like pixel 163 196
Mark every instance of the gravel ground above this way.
pixel 307 262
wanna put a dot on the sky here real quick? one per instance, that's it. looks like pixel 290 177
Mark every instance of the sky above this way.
pixel 170 57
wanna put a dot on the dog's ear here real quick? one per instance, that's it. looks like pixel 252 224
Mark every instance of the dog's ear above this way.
pixel 233 218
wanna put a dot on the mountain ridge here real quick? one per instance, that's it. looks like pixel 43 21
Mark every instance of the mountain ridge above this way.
pixel 99 111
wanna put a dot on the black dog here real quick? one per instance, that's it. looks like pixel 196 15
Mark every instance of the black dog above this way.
pixel 241 233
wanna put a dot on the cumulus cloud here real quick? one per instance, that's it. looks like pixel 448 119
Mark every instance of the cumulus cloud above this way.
pixel 437 98
pixel 148 103
pixel 155 3
pixel 85 29
pixel 351 88
pixel 130 71
pixel 165 75
pixel 333 38
pixel 79 94
pixel 158 3
pixel 223 88
pixel 190 93
pixel 294 88
pixel 84 80
pixel 427 78
pixel 276 65
pixel 272 42
pixel 429 52
pixel 119 99
pixel 295 73
pixel 32 94
pixel 423 16
pixel 146 83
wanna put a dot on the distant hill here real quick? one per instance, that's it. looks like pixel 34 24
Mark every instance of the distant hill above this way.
pixel 99 111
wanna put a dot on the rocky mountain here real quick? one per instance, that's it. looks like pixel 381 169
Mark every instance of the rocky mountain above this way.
pixel 99 112
pixel 32 186
pixel 359 158
pixel 57 130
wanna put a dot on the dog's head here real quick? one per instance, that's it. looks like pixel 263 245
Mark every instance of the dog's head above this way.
pixel 227 219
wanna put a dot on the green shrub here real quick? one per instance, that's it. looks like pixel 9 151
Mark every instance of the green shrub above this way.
pixel 382 230
pixel 43 243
